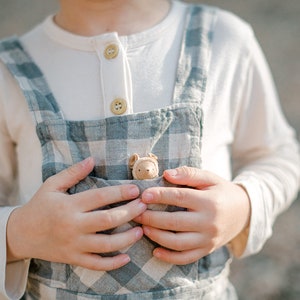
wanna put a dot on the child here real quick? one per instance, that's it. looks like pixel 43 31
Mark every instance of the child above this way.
pixel 102 80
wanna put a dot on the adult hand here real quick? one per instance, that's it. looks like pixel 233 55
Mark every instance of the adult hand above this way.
pixel 59 227
pixel 217 210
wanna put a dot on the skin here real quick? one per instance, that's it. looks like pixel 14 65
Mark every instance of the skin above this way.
pixel 217 210
pixel 69 223
pixel 94 17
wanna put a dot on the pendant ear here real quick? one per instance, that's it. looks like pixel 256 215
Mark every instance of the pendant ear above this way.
pixel 152 156
pixel 133 158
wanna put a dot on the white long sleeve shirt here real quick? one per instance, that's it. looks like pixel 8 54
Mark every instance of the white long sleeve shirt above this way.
pixel 245 136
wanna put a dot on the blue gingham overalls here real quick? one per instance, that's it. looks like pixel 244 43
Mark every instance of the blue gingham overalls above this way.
pixel 172 133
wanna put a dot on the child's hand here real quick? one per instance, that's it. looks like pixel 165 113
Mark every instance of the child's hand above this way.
pixel 58 227
pixel 217 211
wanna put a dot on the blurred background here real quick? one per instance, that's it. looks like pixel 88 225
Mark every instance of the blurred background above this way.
pixel 274 273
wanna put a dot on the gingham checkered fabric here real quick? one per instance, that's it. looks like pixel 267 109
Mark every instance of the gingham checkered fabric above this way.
pixel 172 133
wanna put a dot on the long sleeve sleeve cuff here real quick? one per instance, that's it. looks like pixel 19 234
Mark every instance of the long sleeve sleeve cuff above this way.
pixel 253 237
pixel 13 276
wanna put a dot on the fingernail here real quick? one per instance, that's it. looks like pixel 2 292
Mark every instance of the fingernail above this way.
pixel 133 191
pixel 172 172
pixel 126 260
pixel 139 232
pixel 86 161
pixel 142 205
pixel 147 197
pixel 157 253
pixel 146 230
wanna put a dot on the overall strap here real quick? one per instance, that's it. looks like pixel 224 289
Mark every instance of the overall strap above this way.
pixel 190 85
pixel 40 99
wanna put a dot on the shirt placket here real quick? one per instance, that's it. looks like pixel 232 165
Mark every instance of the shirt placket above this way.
pixel 115 76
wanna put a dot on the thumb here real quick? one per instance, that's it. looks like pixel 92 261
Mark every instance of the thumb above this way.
pixel 192 177
pixel 69 177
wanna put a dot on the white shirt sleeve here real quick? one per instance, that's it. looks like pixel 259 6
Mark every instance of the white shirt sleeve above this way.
pixel 13 276
pixel 265 151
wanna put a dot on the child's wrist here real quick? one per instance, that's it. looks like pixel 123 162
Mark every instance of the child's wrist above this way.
pixel 13 249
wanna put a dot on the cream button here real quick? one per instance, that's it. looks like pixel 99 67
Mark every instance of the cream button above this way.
pixel 118 106
pixel 111 51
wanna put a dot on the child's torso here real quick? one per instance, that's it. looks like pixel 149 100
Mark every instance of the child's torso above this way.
pixel 172 133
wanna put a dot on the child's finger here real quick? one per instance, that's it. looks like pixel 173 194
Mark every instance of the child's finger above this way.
pixel 97 198
pixel 101 220
pixel 98 263
pixel 70 176
pixel 178 241
pixel 180 221
pixel 181 197
pixel 180 257
pixel 192 177
pixel 107 243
